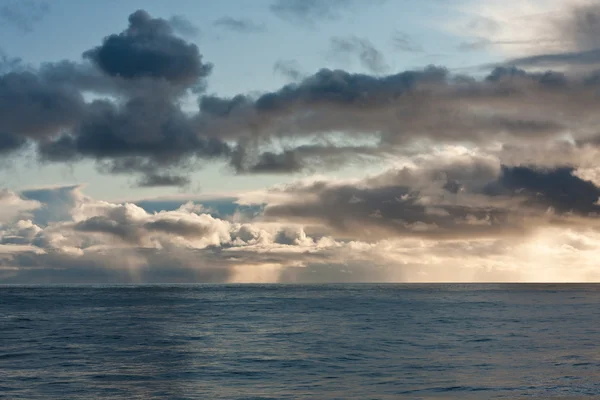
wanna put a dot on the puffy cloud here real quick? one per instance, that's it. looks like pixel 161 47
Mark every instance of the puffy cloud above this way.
pixel 148 48
pixel 140 127
pixel 13 205
pixel 31 106
pixel 106 242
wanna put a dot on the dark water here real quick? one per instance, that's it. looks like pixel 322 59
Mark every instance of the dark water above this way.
pixel 308 342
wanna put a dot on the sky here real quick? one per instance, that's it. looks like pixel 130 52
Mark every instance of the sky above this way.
pixel 299 141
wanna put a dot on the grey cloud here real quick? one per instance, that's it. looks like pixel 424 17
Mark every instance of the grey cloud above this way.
pixel 146 129
pixel 146 133
pixel 109 226
pixel 468 199
pixel 289 69
pixel 484 25
pixel 10 143
pixel 239 25
pixel 8 64
pixel 148 48
pixel 312 158
pixel 588 57
pixel 404 42
pixel 268 162
pixel 23 14
pixel 309 11
pixel 558 188
pixel 398 108
pixel 31 106
pixel 581 27
pixel 576 41
pixel 178 227
pixel 484 43
pixel 184 26
pixel 392 212
pixel 154 180
pixel 368 55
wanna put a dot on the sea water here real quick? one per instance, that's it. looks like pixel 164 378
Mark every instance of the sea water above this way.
pixel 300 342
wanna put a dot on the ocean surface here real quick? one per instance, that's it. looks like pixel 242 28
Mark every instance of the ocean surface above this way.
pixel 300 342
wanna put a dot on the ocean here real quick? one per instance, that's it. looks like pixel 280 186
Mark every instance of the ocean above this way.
pixel 362 341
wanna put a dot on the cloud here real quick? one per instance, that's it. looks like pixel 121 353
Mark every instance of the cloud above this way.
pixel 239 25
pixel 13 206
pixel 164 180
pixel 404 42
pixel 31 106
pixel 589 57
pixel 370 58
pixel 55 203
pixel 407 107
pixel 556 33
pixel 289 69
pixel 23 14
pixel 144 131
pixel 145 134
pixel 330 119
pixel 148 48
pixel 104 242
pixel 184 26
pixel 309 12
pixel 441 198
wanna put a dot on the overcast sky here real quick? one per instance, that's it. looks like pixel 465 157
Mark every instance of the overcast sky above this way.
pixel 299 141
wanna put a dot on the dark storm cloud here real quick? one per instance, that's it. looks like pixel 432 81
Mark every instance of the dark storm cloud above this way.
pixel 23 14
pixel 361 48
pixel 148 48
pixel 240 25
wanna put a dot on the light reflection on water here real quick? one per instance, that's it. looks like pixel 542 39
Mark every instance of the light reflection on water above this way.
pixel 289 342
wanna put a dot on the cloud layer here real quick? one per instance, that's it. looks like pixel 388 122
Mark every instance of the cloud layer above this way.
pixel 490 177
